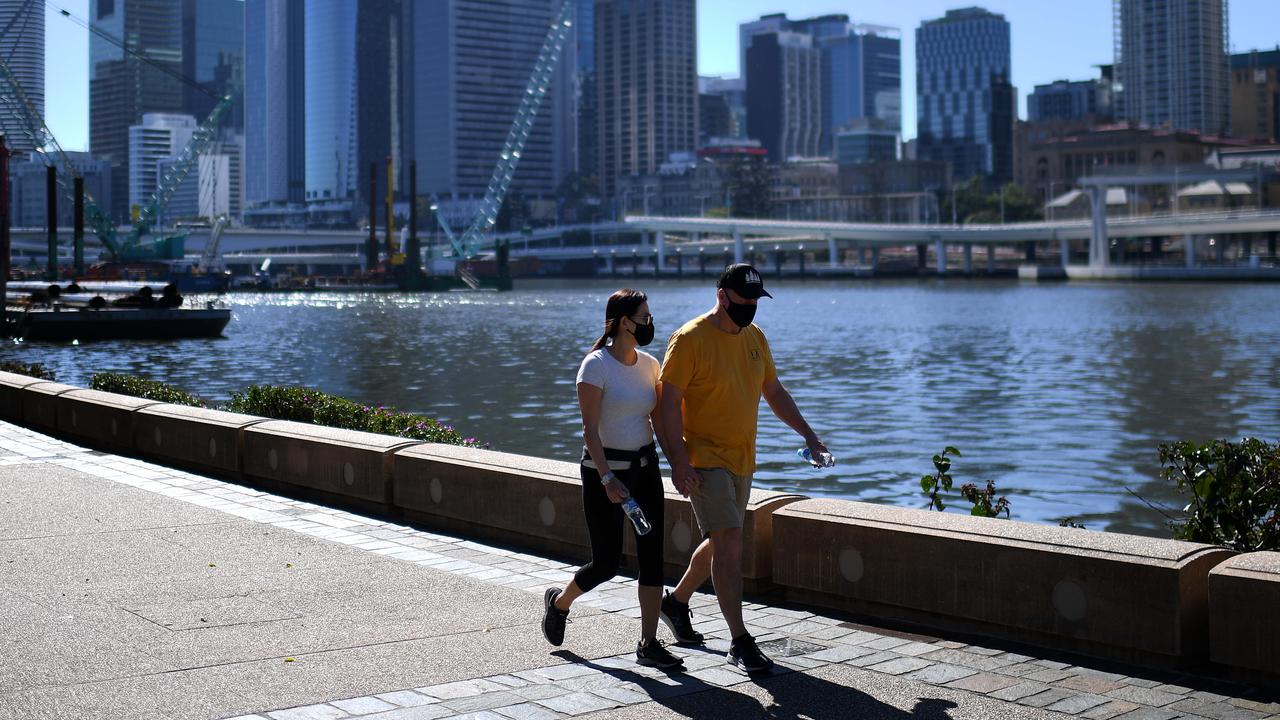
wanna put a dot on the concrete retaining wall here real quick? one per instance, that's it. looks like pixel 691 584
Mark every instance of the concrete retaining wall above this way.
pixel 196 439
pixel 99 419
pixel 343 464
pixel 1244 594
pixel 1125 597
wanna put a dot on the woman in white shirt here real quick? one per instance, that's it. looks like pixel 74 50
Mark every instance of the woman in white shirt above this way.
pixel 618 396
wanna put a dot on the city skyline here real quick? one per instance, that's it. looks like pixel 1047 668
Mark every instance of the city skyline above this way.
pixel 1050 41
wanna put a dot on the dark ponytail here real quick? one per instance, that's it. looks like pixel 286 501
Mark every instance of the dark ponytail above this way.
pixel 623 303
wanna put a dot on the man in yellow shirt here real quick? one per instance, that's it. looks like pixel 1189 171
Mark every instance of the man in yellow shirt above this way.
pixel 715 370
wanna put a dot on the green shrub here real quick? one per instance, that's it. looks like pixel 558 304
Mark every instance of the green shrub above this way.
pixel 1235 492
pixel 35 370
pixel 984 500
pixel 143 388
pixel 311 406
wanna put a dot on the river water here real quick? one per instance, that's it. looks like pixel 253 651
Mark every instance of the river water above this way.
pixel 1060 393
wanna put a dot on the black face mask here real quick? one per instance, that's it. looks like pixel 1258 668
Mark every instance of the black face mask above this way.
pixel 643 334
pixel 740 313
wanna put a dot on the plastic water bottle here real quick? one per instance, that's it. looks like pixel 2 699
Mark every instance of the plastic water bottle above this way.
pixel 825 460
pixel 637 516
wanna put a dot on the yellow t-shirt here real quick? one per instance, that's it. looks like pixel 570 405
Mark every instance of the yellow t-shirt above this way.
pixel 722 376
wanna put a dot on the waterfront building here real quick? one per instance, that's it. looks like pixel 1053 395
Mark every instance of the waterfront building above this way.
pixel 1073 100
pixel 212 187
pixel 161 136
pixel 1052 156
pixel 1172 66
pixel 714 118
pixel 965 102
pixel 122 88
pixel 866 140
pixel 274 103
pixel 784 98
pixel 1255 95
pixel 861 73
pixel 213 42
pixel 22 47
pixel 29 193
pixel 647 85
pixel 687 185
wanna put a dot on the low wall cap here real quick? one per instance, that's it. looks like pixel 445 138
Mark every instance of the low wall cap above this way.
pixel 1070 540
pixel 1263 563
pixel 16 380
pixel 99 396
pixel 493 459
pixel 187 412
pixel 307 431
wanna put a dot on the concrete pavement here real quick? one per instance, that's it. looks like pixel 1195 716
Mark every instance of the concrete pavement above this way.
pixel 130 590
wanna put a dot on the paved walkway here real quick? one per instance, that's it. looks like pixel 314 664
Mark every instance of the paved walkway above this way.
pixel 130 590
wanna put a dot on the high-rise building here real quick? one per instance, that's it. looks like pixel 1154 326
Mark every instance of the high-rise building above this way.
pixel 29 192
pixel 1068 100
pixel 861 68
pixel 355 99
pixel 213 55
pixel 472 60
pixel 1255 95
pixel 160 137
pixel 122 88
pixel 784 94
pixel 22 47
pixel 734 93
pixel 1171 63
pixel 575 105
pixel 212 187
pixel 866 141
pixel 647 85
pixel 965 102
pixel 274 92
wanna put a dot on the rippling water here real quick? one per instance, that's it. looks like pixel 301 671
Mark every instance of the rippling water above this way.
pixel 1058 392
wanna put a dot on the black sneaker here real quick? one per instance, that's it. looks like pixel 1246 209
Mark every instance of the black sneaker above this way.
pixel 678 617
pixel 744 653
pixel 653 654
pixel 553 619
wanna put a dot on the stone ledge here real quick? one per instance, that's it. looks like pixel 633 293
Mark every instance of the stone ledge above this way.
pixel 40 405
pixel 1244 593
pixel 191 437
pixel 346 464
pixel 99 419
pixel 1117 596
pixel 11 394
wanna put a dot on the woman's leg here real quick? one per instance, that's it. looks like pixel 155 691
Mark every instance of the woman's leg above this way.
pixel 647 490
pixel 604 525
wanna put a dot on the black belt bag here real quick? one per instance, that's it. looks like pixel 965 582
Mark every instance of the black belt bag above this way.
pixel 624 459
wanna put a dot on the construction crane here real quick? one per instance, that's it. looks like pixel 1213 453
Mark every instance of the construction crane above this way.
pixel 131 248
pixel 486 216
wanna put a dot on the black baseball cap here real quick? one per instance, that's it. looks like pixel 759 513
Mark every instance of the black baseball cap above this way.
pixel 744 280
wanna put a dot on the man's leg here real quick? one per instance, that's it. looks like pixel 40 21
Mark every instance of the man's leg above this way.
pixel 696 574
pixel 726 573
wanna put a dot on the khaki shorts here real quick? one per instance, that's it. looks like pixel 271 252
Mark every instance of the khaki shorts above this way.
pixel 720 502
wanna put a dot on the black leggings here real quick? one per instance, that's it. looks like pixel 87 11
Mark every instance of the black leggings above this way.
pixel 605 520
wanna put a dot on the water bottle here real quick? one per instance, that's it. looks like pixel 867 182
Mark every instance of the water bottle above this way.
pixel 826 459
pixel 637 516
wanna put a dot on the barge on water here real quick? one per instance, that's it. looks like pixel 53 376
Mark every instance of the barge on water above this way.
pixel 107 311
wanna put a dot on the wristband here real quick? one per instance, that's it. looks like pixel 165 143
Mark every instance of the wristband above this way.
pixel 605 478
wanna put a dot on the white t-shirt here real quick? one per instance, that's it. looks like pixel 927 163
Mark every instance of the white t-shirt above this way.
pixel 629 396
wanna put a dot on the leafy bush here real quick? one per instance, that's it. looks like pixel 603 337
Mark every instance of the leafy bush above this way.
pixel 984 501
pixel 1235 492
pixel 35 370
pixel 311 406
pixel 143 388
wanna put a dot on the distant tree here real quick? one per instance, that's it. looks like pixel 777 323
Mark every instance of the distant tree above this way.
pixel 974 205
pixel 748 183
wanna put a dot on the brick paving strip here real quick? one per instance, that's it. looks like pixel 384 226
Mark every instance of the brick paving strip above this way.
pixel 799 640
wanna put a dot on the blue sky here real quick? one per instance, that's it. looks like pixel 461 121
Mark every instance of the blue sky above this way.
pixel 1052 39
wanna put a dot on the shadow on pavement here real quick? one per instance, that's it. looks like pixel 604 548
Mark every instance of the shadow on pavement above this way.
pixel 785 695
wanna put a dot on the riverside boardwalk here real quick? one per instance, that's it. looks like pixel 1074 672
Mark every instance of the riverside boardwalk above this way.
pixel 132 590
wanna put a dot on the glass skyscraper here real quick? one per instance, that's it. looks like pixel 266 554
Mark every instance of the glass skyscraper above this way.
pixel 213 55
pixel 274 102
pixel 965 102
pixel 22 47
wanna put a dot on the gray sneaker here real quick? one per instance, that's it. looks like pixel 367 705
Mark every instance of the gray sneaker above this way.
pixel 678 617
pixel 744 653
pixel 653 654
pixel 553 619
